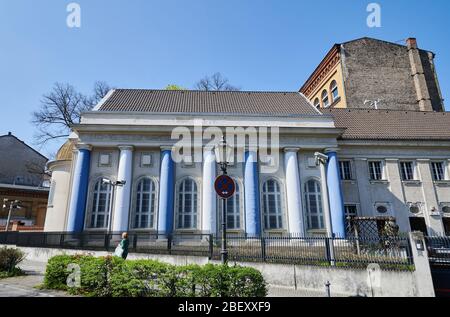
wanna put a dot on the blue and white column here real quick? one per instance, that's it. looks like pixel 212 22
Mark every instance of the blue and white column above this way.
pixel 123 193
pixel 166 192
pixel 251 190
pixel 293 192
pixel 209 200
pixel 77 207
pixel 335 193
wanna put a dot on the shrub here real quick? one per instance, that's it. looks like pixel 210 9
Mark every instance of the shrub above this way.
pixel 112 276
pixel 9 259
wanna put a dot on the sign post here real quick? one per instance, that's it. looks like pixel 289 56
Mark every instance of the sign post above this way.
pixel 225 188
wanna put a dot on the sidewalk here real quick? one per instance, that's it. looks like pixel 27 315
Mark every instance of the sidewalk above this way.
pixel 25 286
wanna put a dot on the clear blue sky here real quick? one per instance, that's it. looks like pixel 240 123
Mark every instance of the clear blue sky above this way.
pixel 257 44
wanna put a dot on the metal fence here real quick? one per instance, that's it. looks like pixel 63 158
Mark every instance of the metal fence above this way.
pixel 438 249
pixel 391 253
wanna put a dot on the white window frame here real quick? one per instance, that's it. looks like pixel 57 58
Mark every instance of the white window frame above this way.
pixel 351 205
pixel 334 88
pixel 317 103
pixel 194 212
pixel 444 168
pixel 278 213
pixel 319 205
pixel 326 98
pixel 413 170
pixel 137 206
pixel 369 167
pixel 94 206
pixel 350 169
pixel 236 203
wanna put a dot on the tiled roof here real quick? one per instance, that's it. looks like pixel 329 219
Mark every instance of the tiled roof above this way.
pixel 391 125
pixel 190 101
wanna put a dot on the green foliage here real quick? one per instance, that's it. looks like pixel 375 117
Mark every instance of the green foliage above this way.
pixel 9 259
pixel 174 87
pixel 114 277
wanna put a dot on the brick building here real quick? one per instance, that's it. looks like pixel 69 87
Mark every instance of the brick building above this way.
pixel 375 74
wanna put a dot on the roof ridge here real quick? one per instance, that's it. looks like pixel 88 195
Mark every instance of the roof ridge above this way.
pixel 209 91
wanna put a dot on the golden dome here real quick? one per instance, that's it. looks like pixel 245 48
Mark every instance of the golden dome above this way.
pixel 65 152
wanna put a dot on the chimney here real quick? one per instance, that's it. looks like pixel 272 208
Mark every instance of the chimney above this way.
pixel 423 96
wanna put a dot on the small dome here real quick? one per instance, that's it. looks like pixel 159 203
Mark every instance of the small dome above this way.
pixel 65 152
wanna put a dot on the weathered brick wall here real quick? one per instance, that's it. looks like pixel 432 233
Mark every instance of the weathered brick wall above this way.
pixel 375 70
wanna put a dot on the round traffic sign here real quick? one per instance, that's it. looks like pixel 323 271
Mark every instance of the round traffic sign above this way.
pixel 224 186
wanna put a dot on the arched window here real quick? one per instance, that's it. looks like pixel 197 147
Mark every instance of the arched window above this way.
pixel 273 215
pixel 144 209
pixel 187 204
pixel 334 90
pixel 317 103
pixel 100 206
pixel 313 199
pixel 234 210
pixel 325 99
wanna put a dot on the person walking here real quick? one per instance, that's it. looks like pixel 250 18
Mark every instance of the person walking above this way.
pixel 122 247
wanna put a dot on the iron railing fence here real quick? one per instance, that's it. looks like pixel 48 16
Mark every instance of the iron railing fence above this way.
pixel 438 248
pixel 391 253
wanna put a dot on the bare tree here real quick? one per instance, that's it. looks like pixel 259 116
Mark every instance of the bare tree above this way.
pixel 216 82
pixel 61 108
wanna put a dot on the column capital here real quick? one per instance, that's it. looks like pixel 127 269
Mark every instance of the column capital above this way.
pixel 291 149
pixel 83 146
pixel 166 147
pixel 126 147
pixel 331 150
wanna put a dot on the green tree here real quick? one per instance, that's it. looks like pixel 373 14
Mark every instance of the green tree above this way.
pixel 174 87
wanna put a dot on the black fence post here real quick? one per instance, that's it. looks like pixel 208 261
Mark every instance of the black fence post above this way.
pixel 327 248
pixel 169 243
pixel 263 248
pixel 107 240
pixel 211 246
pixel 61 241
pixel 135 239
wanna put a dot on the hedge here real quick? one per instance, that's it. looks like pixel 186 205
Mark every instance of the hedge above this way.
pixel 115 277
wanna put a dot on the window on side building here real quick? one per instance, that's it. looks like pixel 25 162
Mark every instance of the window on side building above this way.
pixel 375 170
pixel 317 103
pixel 351 210
pixel 334 90
pixel 346 170
pixel 438 171
pixel 407 170
pixel 325 99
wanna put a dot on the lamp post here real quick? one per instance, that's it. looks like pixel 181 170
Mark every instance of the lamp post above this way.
pixel 223 154
pixel 113 185
pixel 14 204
